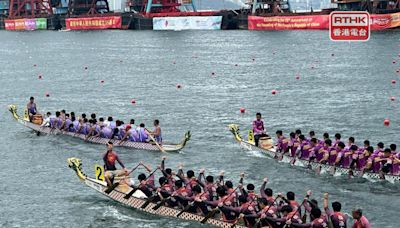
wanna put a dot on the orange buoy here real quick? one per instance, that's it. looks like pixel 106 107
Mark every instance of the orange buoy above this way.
pixel 274 92
pixel 133 101
pixel 392 98
pixel 178 86
pixel 386 122
pixel 393 81
pixel 47 94
pixel 242 110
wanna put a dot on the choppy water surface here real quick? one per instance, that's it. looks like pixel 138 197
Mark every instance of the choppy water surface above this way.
pixel 342 88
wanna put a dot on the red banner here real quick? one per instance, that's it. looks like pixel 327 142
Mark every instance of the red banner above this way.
pixel 378 22
pixel 288 22
pixel 113 22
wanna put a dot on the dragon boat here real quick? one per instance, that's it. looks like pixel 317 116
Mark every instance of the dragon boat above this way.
pixel 270 152
pixel 137 200
pixel 167 147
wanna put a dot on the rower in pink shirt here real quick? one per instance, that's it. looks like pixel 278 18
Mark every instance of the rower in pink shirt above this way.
pixel 360 221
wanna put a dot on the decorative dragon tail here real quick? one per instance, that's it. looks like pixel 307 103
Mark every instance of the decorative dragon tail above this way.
pixel 76 165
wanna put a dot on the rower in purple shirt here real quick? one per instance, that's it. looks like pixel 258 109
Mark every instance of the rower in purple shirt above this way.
pixel 293 144
pixel 282 145
pixel 363 157
pixel 258 129
pixel 304 148
pixel 350 142
pixel 338 137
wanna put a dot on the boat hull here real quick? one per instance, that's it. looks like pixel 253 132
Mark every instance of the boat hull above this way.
pixel 99 140
pixel 315 166
pixel 136 202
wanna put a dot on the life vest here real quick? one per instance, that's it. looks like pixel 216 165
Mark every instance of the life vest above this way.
pixel 294 205
pixel 182 192
pixel 319 223
pixel 338 220
pixel 258 126
pixel 167 187
pixel 294 217
pixel 110 161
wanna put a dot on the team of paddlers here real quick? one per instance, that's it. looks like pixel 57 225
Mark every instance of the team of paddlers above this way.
pixel 93 127
pixel 334 152
pixel 209 195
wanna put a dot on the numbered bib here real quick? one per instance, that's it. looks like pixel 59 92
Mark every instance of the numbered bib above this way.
pixel 99 171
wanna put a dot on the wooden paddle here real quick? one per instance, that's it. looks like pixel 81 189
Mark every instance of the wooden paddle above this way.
pixel 214 211
pixel 127 196
pixel 152 138
pixel 298 209
pixel 259 221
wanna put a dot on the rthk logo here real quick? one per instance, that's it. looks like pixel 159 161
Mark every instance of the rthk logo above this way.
pixel 349 26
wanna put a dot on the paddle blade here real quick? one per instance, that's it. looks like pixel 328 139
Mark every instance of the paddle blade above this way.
pixel 111 188
pixel 130 193
pixel 210 215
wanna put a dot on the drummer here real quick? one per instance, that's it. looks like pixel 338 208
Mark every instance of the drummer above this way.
pixel 31 107
pixel 258 129
pixel 109 158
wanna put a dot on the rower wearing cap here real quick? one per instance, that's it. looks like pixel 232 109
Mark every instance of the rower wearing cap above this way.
pixel 131 134
pixel 109 158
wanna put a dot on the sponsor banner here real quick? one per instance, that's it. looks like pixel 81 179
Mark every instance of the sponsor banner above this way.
pixel 26 24
pixel 112 22
pixel 288 22
pixel 377 21
pixel 384 21
pixel 187 23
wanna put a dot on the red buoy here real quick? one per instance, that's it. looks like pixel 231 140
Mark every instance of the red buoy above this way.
pixel 394 62
pixel 254 59
pixel 178 86
pixel 398 71
pixel 392 98
pixel 297 77
pixel 102 81
pixel 332 54
pixel 86 67
pixel 242 110
pixel 40 76
pixel 386 122
pixel 393 81
pixel 34 65
pixel 236 64
pixel 274 92
pixel 47 94
pixel 312 67
pixel 212 73
pixel 174 62
pixel 133 101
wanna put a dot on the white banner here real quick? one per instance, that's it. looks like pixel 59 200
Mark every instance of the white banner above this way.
pixel 187 23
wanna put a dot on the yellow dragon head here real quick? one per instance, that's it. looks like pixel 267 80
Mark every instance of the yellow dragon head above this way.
pixel 76 165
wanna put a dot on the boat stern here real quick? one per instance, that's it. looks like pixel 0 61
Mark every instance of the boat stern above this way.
pixel 76 165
